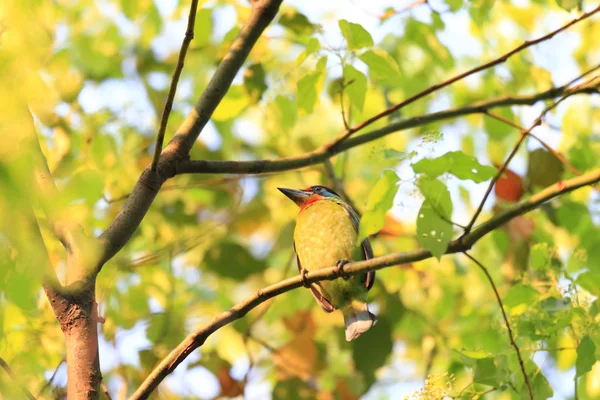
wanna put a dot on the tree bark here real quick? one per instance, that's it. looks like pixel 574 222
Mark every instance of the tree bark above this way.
pixel 77 313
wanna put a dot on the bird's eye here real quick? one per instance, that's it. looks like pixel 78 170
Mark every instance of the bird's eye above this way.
pixel 319 189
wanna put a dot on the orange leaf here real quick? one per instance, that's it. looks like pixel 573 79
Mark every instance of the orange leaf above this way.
pixel 509 187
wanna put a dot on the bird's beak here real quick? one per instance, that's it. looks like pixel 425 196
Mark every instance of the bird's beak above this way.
pixel 297 196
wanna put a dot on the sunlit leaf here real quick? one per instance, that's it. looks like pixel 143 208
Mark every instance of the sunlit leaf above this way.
pixel 381 65
pixel 586 356
pixel 355 86
pixel 433 232
pixel 356 36
pixel 380 201
pixel 456 163
pixel 309 88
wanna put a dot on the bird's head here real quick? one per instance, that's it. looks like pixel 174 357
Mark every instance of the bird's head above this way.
pixel 310 195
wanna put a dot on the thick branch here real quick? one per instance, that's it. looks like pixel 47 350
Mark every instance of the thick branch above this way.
pixel 472 71
pixel 149 183
pixel 324 152
pixel 461 245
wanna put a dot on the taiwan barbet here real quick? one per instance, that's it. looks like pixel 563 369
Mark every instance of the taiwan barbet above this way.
pixel 326 235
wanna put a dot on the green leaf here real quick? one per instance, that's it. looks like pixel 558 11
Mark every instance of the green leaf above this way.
pixel 544 168
pixel 433 232
pixel 586 356
pixel 381 199
pixel 393 154
pixel 456 163
pixel 381 65
pixel 292 389
pixel 481 10
pixel 255 82
pixel 568 5
pixel 202 27
pixel 296 22
pixel 356 86
pixel 309 88
pixel 369 357
pixel 520 294
pixel 438 196
pixel 486 372
pixel 86 185
pixel 590 281
pixel 356 36
pixel 231 260
pixel 498 130
pixel 541 256
pixel 233 104
pixel 454 5
pixel 312 46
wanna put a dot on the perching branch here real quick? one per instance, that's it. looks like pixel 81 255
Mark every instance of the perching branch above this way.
pixel 149 183
pixel 510 332
pixel 189 36
pixel 325 151
pixel 516 147
pixel 460 245
pixel 450 81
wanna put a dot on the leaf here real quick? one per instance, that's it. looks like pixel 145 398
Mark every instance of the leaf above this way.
pixel 254 82
pixel 568 5
pixel 309 88
pixel 231 260
pixel 381 199
pixel 356 86
pixel 456 163
pixel 312 46
pixel 233 104
pixel 433 232
pixel 381 65
pixel 296 22
pixel 590 281
pixel 520 294
pixel 486 372
pixel 356 36
pixel 541 256
pixel 202 27
pixel 391 154
pixel 586 356
pixel 544 168
pixel 293 389
pixel 438 196
pixel 499 130
pixel 509 187
pixel 481 10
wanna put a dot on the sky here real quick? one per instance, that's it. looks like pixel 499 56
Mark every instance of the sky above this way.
pixel 127 98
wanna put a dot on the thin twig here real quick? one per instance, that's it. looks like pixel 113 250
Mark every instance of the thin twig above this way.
pixel 197 338
pixel 47 384
pixel 472 71
pixel 556 154
pixel 342 88
pixel 105 390
pixel 12 376
pixel 515 149
pixel 510 333
pixel 187 39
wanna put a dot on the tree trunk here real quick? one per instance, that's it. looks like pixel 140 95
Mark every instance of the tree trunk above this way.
pixel 77 313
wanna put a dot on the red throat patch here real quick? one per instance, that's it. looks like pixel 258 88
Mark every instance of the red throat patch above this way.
pixel 311 200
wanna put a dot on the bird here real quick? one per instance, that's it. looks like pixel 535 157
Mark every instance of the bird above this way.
pixel 326 233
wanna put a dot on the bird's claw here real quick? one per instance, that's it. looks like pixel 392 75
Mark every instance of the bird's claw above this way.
pixel 340 269
pixel 303 273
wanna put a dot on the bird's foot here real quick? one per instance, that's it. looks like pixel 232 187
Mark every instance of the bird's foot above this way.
pixel 340 269
pixel 303 273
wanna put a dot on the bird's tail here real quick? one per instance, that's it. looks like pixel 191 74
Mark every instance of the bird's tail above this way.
pixel 358 319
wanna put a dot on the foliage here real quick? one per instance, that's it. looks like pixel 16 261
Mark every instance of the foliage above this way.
pixel 88 81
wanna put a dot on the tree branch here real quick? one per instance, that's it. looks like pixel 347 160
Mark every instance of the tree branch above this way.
pixel 149 183
pixel 460 245
pixel 324 152
pixel 189 36
pixel 510 333
pixel 472 71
